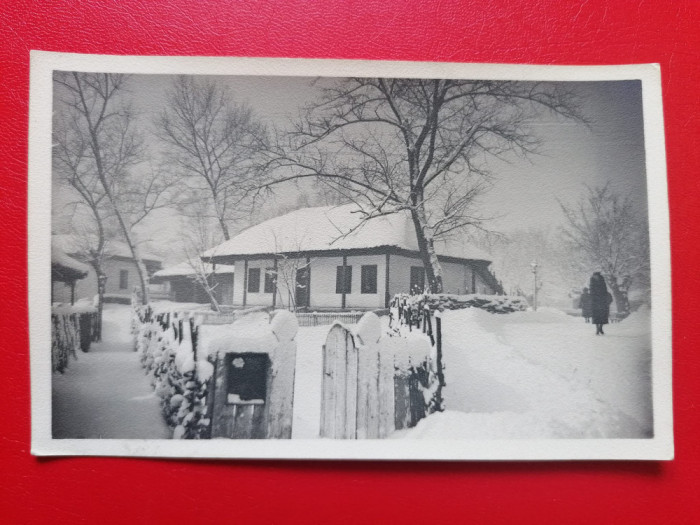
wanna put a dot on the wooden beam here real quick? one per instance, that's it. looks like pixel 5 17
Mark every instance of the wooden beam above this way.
pixel 308 282
pixel 245 281
pixel 387 297
pixel 274 291
pixel 345 269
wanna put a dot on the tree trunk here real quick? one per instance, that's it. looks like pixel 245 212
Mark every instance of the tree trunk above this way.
pixel 140 268
pixel 426 246
pixel 204 282
pixel 224 228
pixel 96 147
pixel 101 281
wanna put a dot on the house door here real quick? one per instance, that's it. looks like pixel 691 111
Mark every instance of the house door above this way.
pixel 302 292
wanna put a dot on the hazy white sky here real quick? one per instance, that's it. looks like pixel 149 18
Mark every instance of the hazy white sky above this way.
pixel 525 192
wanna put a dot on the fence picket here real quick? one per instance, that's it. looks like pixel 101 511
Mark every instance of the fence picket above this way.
pixel 351 387
pixel 341 378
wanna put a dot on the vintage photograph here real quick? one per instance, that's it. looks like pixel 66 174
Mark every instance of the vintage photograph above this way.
pixel 328 259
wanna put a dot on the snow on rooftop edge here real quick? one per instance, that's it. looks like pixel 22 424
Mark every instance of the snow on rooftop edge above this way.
pixel 331 228
pixel 60 257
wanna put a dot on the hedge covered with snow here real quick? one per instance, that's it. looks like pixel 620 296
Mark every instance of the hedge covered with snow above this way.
pixel 167 344
pixel 496 304
pixel 73 328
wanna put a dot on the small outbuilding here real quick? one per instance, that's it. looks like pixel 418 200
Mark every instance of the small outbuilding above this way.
pixel 65 272
pixel 117 263
pixel 184 283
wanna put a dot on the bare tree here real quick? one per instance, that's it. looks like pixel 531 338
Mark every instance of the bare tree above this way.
pixel 211 142
pixel 198 236
pixel 97 150
pixel 415 146
pixel 72 168
pixel 607 233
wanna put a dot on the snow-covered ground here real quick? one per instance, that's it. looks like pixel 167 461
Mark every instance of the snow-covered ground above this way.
pixel 523 375
pixel 105 394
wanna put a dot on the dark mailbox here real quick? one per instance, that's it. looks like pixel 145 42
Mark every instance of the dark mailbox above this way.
pixel 247 378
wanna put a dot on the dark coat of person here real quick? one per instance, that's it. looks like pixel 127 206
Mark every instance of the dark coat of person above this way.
pixel 600 299
pixel 585 304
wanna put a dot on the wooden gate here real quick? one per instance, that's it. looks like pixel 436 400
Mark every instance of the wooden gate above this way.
pixel 363 394
pixel 253 392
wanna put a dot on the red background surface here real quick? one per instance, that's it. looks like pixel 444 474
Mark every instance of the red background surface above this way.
pixel 103 490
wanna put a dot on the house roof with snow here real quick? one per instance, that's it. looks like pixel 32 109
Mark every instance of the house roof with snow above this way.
pixel 71 244
pixel 332 229
pixel 185 269
pixel 65 268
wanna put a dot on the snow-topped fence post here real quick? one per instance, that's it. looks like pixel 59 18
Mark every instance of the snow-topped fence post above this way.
pixel 422 313
pixel 368 386
pixel 253 392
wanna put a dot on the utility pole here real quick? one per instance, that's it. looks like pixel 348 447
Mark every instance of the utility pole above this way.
pixel 535 267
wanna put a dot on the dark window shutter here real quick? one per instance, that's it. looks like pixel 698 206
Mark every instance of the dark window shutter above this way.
pixel 123 279
pixel 253 280
pixel 369 278
pixel 343 279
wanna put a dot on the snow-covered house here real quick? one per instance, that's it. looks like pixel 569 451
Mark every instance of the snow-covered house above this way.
pixel 323 258
pixel 118 265
pixel 183 282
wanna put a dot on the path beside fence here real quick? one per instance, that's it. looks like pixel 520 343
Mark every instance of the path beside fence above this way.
pixel 104 393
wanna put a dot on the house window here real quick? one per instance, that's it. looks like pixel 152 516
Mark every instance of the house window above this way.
pixel 123 279
pixel 253 280
pixel 270 280
pixel 369 278
pixel 417 284
pixel 343 279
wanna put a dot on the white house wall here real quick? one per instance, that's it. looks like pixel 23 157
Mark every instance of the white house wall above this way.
pixel 323 273
pixel 457 278
pixel 400 273
pixel 356 299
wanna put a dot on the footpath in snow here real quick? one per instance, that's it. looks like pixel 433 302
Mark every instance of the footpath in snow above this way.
pixel 542 375
pixel 104 393
pixel 538 375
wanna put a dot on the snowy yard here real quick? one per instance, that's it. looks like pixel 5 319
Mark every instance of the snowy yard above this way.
pixel 522 375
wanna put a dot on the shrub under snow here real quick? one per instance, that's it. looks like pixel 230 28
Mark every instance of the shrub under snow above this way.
pixel 180 377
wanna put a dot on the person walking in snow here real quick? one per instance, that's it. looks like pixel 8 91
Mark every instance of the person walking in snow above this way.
pixel 585 305
pixel 600 302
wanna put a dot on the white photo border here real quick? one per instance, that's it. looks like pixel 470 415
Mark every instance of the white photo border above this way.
pixel 43 64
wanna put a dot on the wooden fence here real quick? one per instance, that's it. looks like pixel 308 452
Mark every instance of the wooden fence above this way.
pixel 366 390
pixel 71 330
pixel 328 318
